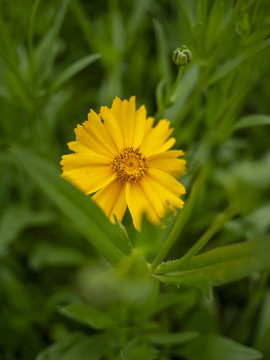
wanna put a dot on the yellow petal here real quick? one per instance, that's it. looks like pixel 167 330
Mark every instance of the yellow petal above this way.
pixel 112 128
pixel 83 159
pixel 89 179
pixel 139 127
pixel 139 204
pixel 148 125
pixel 166 146
pixel 119 111
pixel 112 200
pixel 92 140
pixel 167 181
pixel 168 161
pixel 95 127
pixel 130 120
pixel 155 140
pixel 166 187
pixel 152 197
pixel 78 147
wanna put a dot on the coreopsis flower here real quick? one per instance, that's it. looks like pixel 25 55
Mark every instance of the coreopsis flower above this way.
pixel 125 161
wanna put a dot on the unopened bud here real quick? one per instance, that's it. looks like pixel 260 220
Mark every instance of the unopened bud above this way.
pixel 182 56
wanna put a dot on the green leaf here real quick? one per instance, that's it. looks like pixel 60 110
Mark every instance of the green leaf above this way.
pixel 85 23
pixel 246 177
pixel 87 315
pixel 75 346
pixel 257 223
pixel 186 86
pixel 57 350
pixel 222 265
pixel 214 24
pixel 86 216
pixel 183 301
pixel 15 219
pixel 72 70
pixel 118 31
pixel 199 244
pixel 263 327
pixel 172 338
pixel 231 64
pixel 182 94
pixel 252 120
pixel 163 52
pixel 160 93
pixel 135 350
pixel 213 347
pixel 232 252
pixel 46 50
pixel 15 291
pixel 137 15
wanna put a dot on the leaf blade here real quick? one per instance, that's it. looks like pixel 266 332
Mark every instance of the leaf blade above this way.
pixel 220 266
pixel 252 120
pixel 212 347
pixel 87 315
pixel 72 70
pixel 86 216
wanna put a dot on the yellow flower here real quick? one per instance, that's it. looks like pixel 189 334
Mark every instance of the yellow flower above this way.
pixel 126 162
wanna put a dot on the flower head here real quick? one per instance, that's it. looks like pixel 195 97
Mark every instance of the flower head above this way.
pixel 124 161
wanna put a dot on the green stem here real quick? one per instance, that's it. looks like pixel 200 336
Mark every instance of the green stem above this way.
pixel 175 85
pixel 205 237
pixel 181 219
pixel 168 98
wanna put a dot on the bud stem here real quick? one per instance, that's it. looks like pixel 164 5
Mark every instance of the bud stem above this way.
pixel 170 95
pixel 175 85
pixel 181 57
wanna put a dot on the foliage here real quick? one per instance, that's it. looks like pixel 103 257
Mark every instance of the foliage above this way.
pixel 75 286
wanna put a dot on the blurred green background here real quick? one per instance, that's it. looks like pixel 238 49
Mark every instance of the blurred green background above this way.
pixel 58 59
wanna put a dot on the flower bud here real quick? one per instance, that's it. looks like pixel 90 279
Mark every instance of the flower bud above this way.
pixel 182 56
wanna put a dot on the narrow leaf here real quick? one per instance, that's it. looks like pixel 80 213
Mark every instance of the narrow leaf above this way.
pixel 163 51
pixel 137 15
pixel 72 70
pixel 223 265
pixel 45 51
pixel 213 347
pixel 214 24
pixel 57 350
pixel 172 338
pixel 87 315
pixel 252 120
pixel 230 65
pixel 86 216
pixel 75 346
pixel 231 252
pixel 135 350
pixel 262 335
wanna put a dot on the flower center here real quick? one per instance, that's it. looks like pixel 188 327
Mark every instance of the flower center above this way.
pixel 130 165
